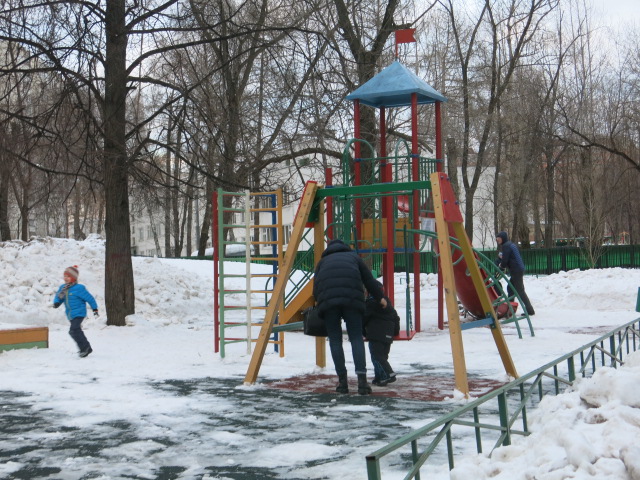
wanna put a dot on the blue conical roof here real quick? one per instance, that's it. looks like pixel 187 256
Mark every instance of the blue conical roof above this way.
pixel 393 87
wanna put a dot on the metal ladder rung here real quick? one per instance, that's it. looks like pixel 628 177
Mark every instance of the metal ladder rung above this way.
pixel 233 275
pixel 240 324
pixel 240 307
pixel 264 209
pixel 234 340
pixel 247 203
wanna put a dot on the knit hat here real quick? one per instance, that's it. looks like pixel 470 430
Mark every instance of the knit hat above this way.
pixel 72 272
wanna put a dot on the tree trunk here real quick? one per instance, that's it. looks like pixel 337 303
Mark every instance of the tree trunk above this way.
pixel 189 243
pixel 24 214
pixel 206 219
pixel 78 234
pixel 550 204
pixel 5 231
pixel 119 288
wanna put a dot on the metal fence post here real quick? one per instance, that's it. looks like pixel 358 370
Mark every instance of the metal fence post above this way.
pixel 504 418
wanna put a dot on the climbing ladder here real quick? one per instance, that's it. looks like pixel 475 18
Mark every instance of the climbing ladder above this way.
pixel 241 297
pixel 286 266
pixel 448 216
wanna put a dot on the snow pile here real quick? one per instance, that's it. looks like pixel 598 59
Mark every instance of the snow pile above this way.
pixel 589 432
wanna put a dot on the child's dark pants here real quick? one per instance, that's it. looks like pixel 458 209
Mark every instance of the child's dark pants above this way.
pixel 380 359
pixel 78 335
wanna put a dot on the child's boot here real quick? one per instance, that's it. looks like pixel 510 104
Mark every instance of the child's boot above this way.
pixel 343 385
pixel 363 385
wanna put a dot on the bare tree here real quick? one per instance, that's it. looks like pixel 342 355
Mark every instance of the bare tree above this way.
pixel 489 47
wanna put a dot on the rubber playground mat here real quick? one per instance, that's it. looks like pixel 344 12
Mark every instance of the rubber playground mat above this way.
pixel 222 430
pixel 423 387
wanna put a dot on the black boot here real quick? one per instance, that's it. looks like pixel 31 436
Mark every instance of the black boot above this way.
pixel 343 385
pixel 363 385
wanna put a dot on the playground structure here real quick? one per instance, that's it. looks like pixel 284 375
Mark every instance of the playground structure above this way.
pixel 385 208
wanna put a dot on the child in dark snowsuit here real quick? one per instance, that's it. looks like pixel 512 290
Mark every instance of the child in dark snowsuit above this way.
pixel 381 324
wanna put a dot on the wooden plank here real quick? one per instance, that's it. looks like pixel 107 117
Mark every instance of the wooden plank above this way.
pixel 306 203
pixel 24 335
pixel 487 305
pixel 451 297
pixel 448 213
pixel 302 300
pixel 318 242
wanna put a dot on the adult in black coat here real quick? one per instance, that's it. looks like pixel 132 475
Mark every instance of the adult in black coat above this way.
pixel 381 324
pixel 338 287
pixel 510 259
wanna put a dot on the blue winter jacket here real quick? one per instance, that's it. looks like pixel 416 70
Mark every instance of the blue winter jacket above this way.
pixel 75 300
pixel 511 258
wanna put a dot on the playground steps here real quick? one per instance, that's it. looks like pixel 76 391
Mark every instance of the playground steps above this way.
pixel 293 310
pixel 24 338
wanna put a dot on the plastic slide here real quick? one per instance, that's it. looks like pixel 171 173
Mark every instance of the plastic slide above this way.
pixel 465 289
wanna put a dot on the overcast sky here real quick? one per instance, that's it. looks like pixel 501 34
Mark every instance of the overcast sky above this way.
pixel 617 10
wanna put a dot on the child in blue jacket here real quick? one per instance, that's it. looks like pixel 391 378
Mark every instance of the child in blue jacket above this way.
pixel 75 298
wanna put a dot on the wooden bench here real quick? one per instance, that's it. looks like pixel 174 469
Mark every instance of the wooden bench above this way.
pixel 24 338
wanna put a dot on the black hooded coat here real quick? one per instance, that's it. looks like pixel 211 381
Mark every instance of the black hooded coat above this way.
pixel 340 278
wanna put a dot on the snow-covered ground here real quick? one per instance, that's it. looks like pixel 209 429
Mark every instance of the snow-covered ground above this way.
pixel 154 401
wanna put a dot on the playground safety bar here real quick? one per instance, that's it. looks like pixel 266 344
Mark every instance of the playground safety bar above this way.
pixel 512 400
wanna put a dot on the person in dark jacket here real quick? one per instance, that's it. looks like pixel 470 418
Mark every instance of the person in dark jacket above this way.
pixel 381 324
pixel 338 287
pixel 510 259
pixel 75 297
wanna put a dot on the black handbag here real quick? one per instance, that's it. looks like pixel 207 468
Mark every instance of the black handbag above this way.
pixel 313 323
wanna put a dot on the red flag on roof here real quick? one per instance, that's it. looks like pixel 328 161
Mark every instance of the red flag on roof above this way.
pixel 405 36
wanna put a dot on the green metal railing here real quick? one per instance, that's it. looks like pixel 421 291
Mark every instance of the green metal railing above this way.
pixel 552 260
pixel 504 410
pixel 539 261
